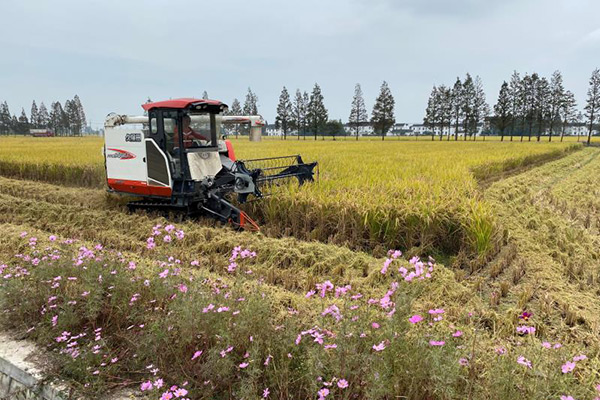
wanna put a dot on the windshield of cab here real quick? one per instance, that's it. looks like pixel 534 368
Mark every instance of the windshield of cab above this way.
pixel 200 131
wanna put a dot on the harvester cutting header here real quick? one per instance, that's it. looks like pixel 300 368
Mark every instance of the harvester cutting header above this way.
pixel 173 159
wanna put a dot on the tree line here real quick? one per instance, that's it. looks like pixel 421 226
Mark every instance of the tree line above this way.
pixel 67 120
pixel 462 107
pixel 307 114
pixel 528 105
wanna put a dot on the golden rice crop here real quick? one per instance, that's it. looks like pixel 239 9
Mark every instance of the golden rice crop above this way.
pixel 421 195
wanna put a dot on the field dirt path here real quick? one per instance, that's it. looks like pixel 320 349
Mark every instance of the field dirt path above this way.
pixel 554 268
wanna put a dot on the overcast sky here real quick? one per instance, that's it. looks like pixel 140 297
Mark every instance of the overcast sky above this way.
pixel 116 53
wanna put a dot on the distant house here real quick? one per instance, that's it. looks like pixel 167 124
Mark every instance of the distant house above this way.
pixel 364 128
pixel 41 132
pixel 579 129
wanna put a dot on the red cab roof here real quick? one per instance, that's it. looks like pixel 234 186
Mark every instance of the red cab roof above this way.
pixel 181 103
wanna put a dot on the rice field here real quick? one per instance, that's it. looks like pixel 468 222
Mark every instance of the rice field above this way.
pixel 226 314
pixel 422 196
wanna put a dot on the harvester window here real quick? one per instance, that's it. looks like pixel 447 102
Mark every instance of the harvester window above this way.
pixel 153 126
pixel 169 127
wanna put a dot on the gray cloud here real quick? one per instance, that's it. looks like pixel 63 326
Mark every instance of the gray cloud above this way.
pixel 116 53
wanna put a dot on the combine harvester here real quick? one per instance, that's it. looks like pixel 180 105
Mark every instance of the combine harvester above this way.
pixel 196 173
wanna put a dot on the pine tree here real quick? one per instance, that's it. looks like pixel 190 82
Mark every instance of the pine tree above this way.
pixel 283 120
pixel 297 112
pixel 205 95
pixel 502 110
pixel 568 111
pixel 592 107
pixel 382 116
pixel 43 117
pixel 34 119
pixel 14 124
pixel 432 112
pixel 251 103
pixel 457 106
pixel 306 102
pixel 250 108
pixel 445 107
pixel 80 112
pixel 56 117
pixel 543 105
pixel 468 106
pixel 579 119
pixel 316 113
pixel 5 118
pixel 557 98
pixel 528 98
pixel 23 126
pixel 358 111
pixel 481 109
pixel 72 114
pixel 515 96
pixel 236 109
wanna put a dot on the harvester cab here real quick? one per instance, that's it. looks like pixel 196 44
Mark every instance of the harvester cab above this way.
pixel 173 158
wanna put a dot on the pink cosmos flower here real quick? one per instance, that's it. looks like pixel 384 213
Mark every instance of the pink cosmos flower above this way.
pixel 546 345
pixel 566 398
pixel 182 288
pixel 266 393
pixel 375 325
pixel 179 235
pixel 158 383
pixel 523 361
pixel 180 392
pixel 150 243
pixel 415 319
pixel 232 267
pixel 437 342
pixel 323 393
pixel 324 287
pixel 169 228
pixel 197 354
pixel 386 265
pixel 243 365
pixel 464 362
pixel 52 238
pixel 568 367
pixel 146 386
pixel 166 396
pixel 195 263
pixel 524 330
pixel 457 334
pixel 580 357
pixel 164 274
pixel 379 347
pixel 436 311
pixel 55 320
pixel 167 239
pixel 342 383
